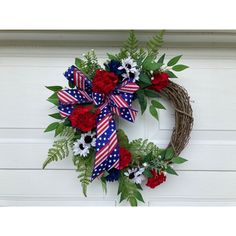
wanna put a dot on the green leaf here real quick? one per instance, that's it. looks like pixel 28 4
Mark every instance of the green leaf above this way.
pixel 133 202
pixel 155 43
pixel 53 99
pixel 174 60
pixel 157 104
pixel 147 173
pixel 145 79
pixel 122 138
pixel 54 88
pixel 56 116
pixel 78 62
pixel 52 126
pixel 169 154
pixel 170 170
pixel 59 129
pixel 139 196
pixel 171 74
pixel 111 57
pixel 142 100
pixel 179 67
pixel 104 184
pixel 153 112
pixel 162 58
pixel 151 93
pixel 178 160
pixel 153 66
pixel 71 84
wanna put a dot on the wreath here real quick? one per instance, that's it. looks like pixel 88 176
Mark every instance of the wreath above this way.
pixel 98 95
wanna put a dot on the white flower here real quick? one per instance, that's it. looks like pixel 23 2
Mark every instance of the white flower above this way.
pixel 130 67
pixel 80 148
pixel 89 139
pixel 135 175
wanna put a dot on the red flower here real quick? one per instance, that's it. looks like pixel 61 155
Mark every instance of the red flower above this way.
pixel 156 180
pixel 125 158
pixel 83 118
pixel 104 82
pixel 160 81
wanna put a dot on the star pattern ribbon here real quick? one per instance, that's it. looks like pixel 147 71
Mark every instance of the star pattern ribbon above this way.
pixel 118 102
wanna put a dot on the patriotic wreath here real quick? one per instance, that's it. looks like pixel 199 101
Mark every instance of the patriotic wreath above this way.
pixel 97 96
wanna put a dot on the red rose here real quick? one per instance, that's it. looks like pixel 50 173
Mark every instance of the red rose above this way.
pixel 125 158
pixel 83 118
pixel 104 82
pixel 160 81
pixel 156 180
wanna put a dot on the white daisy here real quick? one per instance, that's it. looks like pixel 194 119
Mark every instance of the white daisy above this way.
pixel 80 148
pixel 135 175
pixel 130 67
pixel 89 139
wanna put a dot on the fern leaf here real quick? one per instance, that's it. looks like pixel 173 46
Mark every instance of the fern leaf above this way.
pixel 84 167
pixel 131 45
pixel 59 151
pixel 155 43
pixel 60 148
pixel 141 148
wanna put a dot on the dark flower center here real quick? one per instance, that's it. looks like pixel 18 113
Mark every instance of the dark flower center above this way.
pixel 131 175
pixel 131 75
pixel 88 139
pixel 81 146
pixel 128 66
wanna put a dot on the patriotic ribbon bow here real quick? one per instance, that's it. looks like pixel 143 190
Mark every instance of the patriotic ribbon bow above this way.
pixel 118 102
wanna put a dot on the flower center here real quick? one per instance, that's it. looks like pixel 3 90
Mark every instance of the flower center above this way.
pixel 81 146
pixel 131 175
pixel 128 66
pixel 131 75
pixel 88 139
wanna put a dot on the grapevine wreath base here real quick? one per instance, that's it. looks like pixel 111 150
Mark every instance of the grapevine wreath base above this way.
pixel 97 96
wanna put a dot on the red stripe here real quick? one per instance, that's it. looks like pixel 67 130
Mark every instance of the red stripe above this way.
pixel 67 95
pixel 62 96
pixel 113 140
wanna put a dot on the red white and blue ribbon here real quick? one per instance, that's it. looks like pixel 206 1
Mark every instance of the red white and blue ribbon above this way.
pixel 118 102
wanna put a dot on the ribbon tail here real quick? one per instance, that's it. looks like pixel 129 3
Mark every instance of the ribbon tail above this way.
pixel 107 149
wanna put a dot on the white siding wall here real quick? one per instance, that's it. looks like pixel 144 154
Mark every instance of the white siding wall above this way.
pixel 31 60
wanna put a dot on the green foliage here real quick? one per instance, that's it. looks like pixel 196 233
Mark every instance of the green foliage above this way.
pixel 84 165
pixel 52 127
pixel 142 148
pixel 151 93
pixel 178 160
pixel 122 139
pixel 53 99
pixel 129 191
pixel 179 67
pixel 54 88
pixel 60 148
pixel 171 74
pixel 155 43
pixel 89 64
pixel 131 45
pixel 153 112
pixel 161 59
pixel 56 116
pixel 142 100
pixel 149 64
pixel 157 104
pixel 174 60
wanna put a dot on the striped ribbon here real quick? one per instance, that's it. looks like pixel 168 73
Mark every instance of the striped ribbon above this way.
pixel 118 102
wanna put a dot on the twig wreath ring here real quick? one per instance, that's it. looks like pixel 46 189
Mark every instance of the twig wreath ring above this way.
pixel 96 95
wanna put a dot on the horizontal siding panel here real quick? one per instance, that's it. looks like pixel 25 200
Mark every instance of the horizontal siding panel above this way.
pixel 200 157
pixel 189 184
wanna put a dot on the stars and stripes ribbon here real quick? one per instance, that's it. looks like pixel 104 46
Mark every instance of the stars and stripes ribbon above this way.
pixel 118 102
